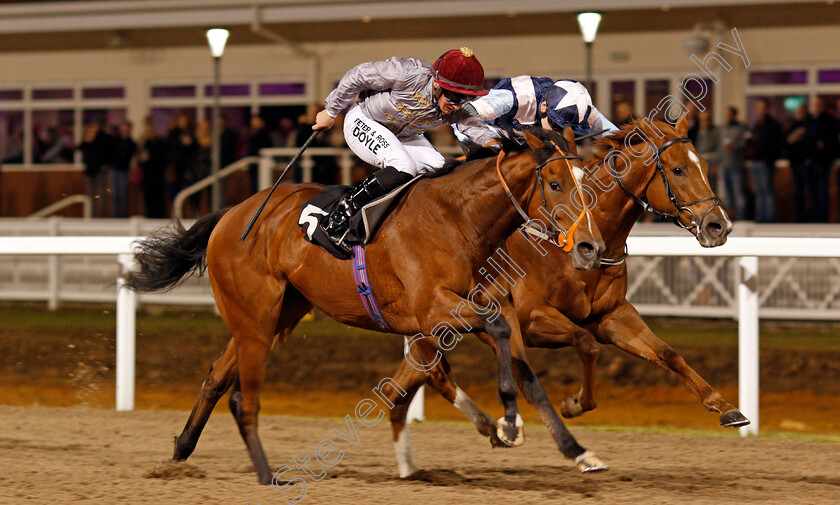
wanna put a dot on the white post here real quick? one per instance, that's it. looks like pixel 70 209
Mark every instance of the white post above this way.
pixel 53 271
pixel 307 164
pixel 53 282
pixel 126 307
pixel 416 410
pixel 265 172
pixel 748 343
pixel 346 163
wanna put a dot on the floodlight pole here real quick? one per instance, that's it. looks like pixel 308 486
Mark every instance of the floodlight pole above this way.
pixel 588 23
pixel 217 38
pixel 216 156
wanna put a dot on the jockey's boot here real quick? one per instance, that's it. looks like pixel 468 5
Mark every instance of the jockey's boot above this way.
pixel 377 184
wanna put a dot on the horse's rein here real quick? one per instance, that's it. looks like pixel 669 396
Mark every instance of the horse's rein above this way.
pixel 568 237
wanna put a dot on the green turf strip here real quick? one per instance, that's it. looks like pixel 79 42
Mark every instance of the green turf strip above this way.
pixel 171 321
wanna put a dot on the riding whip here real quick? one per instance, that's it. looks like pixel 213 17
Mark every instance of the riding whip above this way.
pixel 290 165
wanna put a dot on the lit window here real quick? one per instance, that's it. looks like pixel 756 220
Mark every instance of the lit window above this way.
pixel 52 94
pixel 282 88
pixel 779 77
pixel 11 94
pixel 229 90
pixel 103 93
pixel 173 91
pixel 828 76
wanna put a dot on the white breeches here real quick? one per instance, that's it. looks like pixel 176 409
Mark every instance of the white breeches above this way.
pixel 376 145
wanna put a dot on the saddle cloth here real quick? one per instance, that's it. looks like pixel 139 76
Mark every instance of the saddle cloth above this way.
pixel 363 224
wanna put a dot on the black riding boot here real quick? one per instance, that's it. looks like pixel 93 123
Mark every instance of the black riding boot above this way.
pixel 378 184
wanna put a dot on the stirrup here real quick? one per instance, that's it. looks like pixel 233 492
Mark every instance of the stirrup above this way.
pixel 339 242
pixel 336 225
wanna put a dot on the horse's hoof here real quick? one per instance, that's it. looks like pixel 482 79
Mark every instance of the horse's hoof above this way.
pixel 570 407
pixel 589 462
pixel 733 419
pixel 512 435
pixel 407 471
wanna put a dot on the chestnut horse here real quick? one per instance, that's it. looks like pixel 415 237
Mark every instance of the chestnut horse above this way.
pixel 559 306
pixel 424 265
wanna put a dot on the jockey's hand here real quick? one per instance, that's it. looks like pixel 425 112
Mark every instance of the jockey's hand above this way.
pixel 323 121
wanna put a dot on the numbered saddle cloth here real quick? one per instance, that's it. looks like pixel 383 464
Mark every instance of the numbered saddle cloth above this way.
pixel 363 224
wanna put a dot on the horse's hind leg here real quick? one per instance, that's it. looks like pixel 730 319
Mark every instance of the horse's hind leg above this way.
pixel 252 346
pixel 626 329
pixel 252 354
pixel 440 315
pixel 219 379
pixel 438 378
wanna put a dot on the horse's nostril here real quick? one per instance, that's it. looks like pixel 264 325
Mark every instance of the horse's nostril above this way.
pixel 714 227
pixel 585 249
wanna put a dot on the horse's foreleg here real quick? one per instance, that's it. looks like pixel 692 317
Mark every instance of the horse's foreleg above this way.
pixel 549 328
pixel 625 328
pixel 534 392
pixel 510 427
pixel 219 379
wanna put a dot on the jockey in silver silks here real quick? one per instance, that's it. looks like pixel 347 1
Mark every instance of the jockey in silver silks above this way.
pixel 398 100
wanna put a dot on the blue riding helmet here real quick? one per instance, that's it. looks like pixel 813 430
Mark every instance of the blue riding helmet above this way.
pixel 568 104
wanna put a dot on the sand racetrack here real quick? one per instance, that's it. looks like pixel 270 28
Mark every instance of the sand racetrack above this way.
pixel 82 455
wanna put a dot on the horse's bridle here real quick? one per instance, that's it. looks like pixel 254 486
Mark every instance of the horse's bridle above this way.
pixel 556 232
pixel 674 217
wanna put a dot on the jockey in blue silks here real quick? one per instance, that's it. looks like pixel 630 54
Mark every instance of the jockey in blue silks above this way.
pixel 526 100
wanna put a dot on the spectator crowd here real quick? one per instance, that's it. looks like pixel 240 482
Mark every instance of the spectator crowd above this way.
pixel 161 165
pixel 743 158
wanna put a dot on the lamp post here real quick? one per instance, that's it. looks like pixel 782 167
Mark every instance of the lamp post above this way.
pixel 217 38
pixel 588 22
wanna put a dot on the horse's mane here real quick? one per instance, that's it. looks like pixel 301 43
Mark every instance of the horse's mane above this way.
pixel 510 144
pixel 616 140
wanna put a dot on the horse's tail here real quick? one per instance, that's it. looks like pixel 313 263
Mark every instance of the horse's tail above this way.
pixel 164 259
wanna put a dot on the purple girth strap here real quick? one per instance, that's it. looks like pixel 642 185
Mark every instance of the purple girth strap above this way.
pixel 363 287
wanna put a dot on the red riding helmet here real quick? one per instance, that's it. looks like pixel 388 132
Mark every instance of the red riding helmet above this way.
pixel 458 70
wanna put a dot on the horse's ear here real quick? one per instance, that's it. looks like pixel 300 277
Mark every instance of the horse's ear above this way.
pixel 682 126
pixel 533 141
pixel 569 135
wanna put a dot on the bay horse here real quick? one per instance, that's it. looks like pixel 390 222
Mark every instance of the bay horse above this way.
pixel 424 265
pixel 558 305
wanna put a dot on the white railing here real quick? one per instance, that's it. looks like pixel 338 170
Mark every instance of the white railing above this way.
pixel 687 286
pixel 125 298
pixel 181 197
pixel 49 210
pixel 747 249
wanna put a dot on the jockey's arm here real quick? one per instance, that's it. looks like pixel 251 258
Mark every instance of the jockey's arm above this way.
pixel 470 125
pixel 598 122
pixel 496 103
pixel 370 76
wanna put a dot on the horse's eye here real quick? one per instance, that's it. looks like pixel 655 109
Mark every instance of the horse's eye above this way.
pixel 678 171
pixel 554 186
